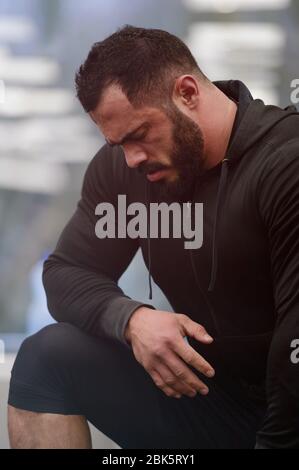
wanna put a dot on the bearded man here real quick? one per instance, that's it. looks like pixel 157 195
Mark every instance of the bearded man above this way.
pixel 217 372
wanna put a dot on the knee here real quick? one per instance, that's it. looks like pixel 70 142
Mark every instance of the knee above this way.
pixel 43 349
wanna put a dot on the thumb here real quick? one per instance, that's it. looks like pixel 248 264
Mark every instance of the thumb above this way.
pixel 195 330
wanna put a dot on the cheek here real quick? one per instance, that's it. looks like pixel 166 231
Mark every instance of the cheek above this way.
pixel 159 150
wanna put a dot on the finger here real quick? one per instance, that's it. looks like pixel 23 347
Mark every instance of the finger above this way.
pixel 184 374
pixel 158 380
pixel 195 330
pixel 192 358
pixel 174 382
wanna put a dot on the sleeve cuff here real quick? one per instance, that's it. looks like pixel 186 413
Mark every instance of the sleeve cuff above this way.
pixel 117 316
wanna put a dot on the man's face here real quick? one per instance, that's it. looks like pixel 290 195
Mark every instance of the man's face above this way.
pixel 166 146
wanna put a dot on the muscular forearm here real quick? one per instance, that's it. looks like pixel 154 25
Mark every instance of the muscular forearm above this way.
pixel 91 301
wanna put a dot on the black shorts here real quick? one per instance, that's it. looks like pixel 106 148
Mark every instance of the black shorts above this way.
pixel 62 370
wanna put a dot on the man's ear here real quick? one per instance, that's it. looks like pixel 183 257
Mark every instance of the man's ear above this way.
pixel 186 91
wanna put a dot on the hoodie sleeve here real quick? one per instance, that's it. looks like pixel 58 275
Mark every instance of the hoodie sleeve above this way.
pixel 80 277
pixel 279 209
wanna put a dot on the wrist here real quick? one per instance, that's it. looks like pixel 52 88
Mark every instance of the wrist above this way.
pixel 131 322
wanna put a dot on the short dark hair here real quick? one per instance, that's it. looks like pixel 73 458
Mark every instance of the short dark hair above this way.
pixel 143 62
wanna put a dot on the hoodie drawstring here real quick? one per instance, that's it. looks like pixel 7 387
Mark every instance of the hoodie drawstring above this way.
pixel 221 188
pixel 149 256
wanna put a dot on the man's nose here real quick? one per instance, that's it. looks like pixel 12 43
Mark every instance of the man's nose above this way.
pixel 134 158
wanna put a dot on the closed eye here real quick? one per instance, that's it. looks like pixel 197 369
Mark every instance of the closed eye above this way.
pixel 133 138
pixel 137 135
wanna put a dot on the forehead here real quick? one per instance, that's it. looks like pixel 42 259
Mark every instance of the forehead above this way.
pixel 115 112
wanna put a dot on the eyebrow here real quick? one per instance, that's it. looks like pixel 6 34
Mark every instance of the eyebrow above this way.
pixel 128 136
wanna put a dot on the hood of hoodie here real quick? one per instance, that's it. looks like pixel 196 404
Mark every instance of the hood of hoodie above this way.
pixel 257 118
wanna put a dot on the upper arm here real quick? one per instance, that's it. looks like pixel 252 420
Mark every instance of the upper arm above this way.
pixel 279 209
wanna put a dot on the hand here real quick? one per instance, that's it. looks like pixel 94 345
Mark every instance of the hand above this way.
pixel 157 340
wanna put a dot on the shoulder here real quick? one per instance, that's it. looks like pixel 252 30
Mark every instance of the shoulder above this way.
pixel 280 160
pixel 108 173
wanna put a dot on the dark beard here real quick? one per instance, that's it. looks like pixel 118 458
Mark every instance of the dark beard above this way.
pixel 186 158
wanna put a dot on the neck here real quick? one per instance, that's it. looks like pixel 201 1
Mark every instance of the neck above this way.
pixel 218 131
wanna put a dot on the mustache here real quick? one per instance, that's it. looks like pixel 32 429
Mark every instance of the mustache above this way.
pixel 149 168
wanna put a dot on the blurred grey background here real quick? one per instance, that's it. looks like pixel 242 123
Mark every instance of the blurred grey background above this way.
pixel 46 141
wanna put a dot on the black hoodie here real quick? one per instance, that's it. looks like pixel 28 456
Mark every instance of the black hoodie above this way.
pixel 242 284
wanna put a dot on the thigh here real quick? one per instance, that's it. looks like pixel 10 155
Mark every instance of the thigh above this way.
pixel 66 371
pixel 125 404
